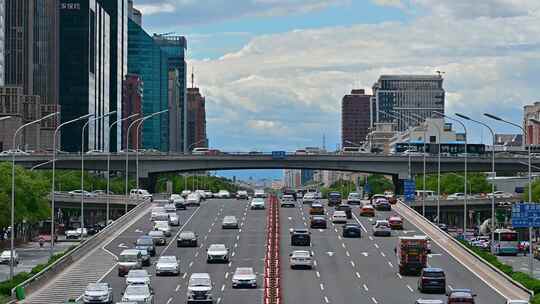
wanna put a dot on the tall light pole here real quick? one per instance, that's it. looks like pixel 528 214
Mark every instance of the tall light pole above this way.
pixel 465 165
pixel 12 232
pixel 109 163
pixel 493 174
pixel 138 135
pixel 40 165
pixel 525 135
pixel 55 135
pixel 92 119
pixel 439 133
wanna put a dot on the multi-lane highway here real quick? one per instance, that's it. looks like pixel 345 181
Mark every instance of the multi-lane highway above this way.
pixel 246 246
pixel 345 269
pixel 363 269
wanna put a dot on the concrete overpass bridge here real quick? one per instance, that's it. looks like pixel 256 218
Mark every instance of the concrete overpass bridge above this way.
pixel 394 165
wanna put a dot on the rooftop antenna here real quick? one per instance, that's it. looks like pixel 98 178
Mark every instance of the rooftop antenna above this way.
pixel 324 142
pixel 192 77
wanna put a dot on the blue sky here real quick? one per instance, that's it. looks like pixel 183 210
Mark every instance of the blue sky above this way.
pixel 274 71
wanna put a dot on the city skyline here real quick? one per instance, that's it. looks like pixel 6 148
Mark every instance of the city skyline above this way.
pixel 287 91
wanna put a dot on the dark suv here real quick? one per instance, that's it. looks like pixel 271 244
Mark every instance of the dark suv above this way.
pixel 432 280
pixel 146 243
pixel 318 221
pixel 352 231
pixel 300 237
pixel 347 209
pixel 334 198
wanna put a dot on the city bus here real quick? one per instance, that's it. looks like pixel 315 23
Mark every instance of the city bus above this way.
pixel 505 242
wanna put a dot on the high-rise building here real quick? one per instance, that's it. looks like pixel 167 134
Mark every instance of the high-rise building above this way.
pixel 175 48
pixel 132 95
pixel 118 13
pixel 532 111
pixel 23 109
pixel 31 52
pixel 196 119
pixel 405 95
pixel 306 176
pixel 150 62
pixel 355 118
pixel 85 72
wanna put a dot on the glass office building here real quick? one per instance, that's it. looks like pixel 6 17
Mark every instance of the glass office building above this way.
pixel 148 60
pixel 84 72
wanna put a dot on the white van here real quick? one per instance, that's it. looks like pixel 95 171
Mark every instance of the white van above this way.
pixel 140 193
pixel 199 151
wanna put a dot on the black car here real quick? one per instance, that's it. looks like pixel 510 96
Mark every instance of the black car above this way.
pixel 180 205
pixel 347 209
pixel 300 237
pixel 187 239
pixel 318 221
pixel 432 280
pixel 146 243
pixel 352 231
pixel 334 198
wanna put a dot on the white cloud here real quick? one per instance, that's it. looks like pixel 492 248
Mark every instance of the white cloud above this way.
pixel 394 3
pixel 479 8
pixel 293 82
pixel 157 8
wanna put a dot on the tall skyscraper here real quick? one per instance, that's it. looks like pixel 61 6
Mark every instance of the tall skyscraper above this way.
pixel 405 95
pixel 196 118
pixel 31 56
pixel 150 62
pixel 118 12
pixel 532 111
pixel 85 72
pixel 355 118
pixel 132 95
pixel 175 48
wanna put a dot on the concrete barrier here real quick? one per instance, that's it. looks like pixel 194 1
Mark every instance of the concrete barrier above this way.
pixel 510 293
pixel 48 273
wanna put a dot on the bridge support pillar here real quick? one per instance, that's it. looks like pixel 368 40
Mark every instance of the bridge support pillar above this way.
pixel 149 183
pixel 398 184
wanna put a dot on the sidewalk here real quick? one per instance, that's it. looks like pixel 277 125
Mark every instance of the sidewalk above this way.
pixel 31 255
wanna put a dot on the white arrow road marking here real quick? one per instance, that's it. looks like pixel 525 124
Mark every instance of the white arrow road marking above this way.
pixel 365 254
pixel 330 253
pixel 122 245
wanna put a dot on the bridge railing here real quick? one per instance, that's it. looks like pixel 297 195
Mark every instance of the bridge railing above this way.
pixel 48 273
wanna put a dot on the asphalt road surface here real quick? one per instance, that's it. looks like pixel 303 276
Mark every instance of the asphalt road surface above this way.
pixel 363 269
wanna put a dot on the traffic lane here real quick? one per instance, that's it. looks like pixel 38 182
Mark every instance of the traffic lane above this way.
pixel 141 227
pixel 214 234
pixel 163 286
pixel 249 251
pixel 457 276
pixel 297 286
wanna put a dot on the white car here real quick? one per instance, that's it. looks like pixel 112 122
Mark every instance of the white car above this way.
pixel 155 212
pixel 185 193
pixel 223 194
pixel 339 217
pixel 79 192
pixel 456 196
pixel 138 294
pixel 229 222
pixel 175 197
pixel 500 194
pixel 259 193
pixel 217 253
pixel 354 199
pixel 257 203
pixel 241 194
pixel 199 288
pixel 5 257
pixel 167 264
pixel 193 199
pixel 208 194
pixel 244 277
pixel 382 228
pixel 138 277
pixel 76 233
pixel 140 193
pixel 309 198
pixel 163 226
pixel 300 259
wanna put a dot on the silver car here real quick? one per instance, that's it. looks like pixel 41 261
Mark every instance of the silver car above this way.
pixel 174 220
pixel 244 277
pixel 163 226
pixel 142 294
pixel 98 293
pixel 300 259
pixel 229 222
pixel 138 277
pixel 217 253
pixel 158 237
pixel 167 264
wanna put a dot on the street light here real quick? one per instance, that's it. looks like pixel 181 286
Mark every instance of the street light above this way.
pixel 195 143
pixel 137 147
pixel 12 234
pixel 4 117
pixel 493 174
pixel 55 135
pixel 82 162
pixel 40 165
pixel 465 172
pixel 525 135
pixel 109 163
pixel 438 166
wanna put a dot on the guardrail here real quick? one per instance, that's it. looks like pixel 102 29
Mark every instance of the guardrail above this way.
pixel 272 274
pixel 49 272
pixel 476 256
